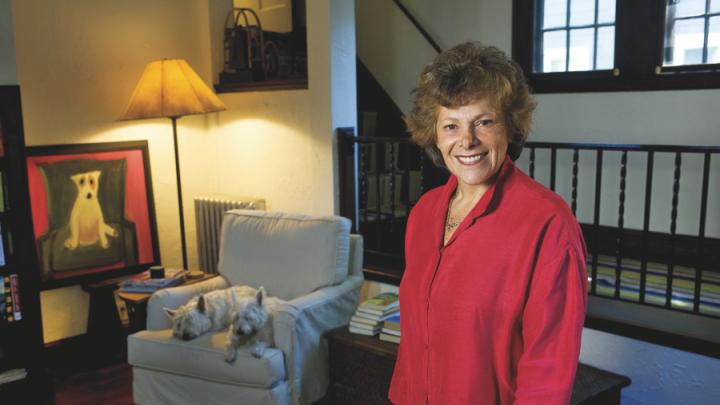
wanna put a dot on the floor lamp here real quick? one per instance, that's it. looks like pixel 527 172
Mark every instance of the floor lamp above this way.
pixel 169 88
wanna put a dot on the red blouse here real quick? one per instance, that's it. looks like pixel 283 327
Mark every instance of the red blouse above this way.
pixel 495 316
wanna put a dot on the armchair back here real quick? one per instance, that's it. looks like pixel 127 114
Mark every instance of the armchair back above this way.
pixel 290 254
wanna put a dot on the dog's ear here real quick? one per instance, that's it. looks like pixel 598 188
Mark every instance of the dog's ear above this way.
pixel 233 295
pixel 260 295
pixel 170 312
pixel 75 178
pixel 201 304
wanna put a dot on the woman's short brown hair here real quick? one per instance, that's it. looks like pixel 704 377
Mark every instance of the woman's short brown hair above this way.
pixel 461 75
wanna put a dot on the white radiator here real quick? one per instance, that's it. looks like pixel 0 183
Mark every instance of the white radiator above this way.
pixel 209 213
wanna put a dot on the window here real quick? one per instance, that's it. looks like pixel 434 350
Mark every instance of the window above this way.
pixel 611 45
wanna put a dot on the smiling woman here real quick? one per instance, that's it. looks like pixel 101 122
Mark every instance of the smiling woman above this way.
pixel 494 288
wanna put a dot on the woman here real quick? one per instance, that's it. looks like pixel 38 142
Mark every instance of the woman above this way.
pixel 494 291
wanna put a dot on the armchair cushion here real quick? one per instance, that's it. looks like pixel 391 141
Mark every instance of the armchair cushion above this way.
pixel 158 350
pixel 290 254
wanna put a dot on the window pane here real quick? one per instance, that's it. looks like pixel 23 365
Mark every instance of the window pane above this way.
pixel 713 52
pixel 685 45
pixel 714 6
pixel 581 49
pixel 582 12
pixel 554 13
pixel 606 48
pixel 554 51
pixel 684 8
pixel 606 11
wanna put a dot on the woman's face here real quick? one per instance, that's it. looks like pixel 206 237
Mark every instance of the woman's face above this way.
pixel 473 141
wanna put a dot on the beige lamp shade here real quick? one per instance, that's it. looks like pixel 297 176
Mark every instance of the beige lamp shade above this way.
pixel 170 88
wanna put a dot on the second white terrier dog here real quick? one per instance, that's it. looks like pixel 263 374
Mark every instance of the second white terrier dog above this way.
pixel 207 312
pixel 252 323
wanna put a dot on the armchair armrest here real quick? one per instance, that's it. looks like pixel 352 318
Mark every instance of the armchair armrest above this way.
pixel 176 296
pixel 299 326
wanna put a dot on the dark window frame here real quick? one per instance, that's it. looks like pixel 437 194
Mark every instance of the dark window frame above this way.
pixel 639 43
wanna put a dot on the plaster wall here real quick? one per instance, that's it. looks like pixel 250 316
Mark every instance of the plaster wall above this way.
pixel 660 375
pixel 8 71
pixel 77 64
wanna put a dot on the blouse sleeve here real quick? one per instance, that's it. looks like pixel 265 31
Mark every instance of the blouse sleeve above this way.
pixel 552 323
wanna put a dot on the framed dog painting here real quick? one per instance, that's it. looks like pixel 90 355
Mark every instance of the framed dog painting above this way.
pixel 93 212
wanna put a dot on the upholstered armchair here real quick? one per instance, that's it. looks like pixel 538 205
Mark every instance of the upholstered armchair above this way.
pixel 311 262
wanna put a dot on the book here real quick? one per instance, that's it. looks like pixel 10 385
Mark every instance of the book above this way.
pixel 365 332
pixel 392 322
pixel 375 314
pixel 383 302
pixel 375 328
pixel 363 320
pixel 2 248
pixel 389 338
pixel 8 314
pixel 12 375
pixel 144 284
pixel 15 292
pixel 390 331
pixel 2 192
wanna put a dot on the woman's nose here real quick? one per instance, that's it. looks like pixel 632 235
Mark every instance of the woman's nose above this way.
pixel 468 138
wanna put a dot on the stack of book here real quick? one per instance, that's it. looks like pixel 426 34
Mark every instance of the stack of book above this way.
pixel 391 329
pixel 142 283
pixel 371 313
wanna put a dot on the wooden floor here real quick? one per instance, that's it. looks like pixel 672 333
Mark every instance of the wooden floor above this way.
pixel 108 385
pixel 111 385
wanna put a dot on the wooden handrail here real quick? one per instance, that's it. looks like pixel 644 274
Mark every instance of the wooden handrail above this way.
pixel 417 25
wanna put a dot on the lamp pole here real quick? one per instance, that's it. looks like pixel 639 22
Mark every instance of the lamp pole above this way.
pixel 179 192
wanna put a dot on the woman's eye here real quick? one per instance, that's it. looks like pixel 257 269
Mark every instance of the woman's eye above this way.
pixel 485 123
pixel 450 127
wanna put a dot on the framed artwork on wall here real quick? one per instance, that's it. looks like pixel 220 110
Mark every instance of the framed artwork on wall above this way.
pixel 93 211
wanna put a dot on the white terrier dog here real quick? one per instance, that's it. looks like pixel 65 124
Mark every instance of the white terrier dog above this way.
pixel 87 224
pixel 207 312
pixel 252 323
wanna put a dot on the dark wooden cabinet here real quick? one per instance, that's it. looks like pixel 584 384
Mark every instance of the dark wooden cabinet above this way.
pixel 20 323
pixel 361 368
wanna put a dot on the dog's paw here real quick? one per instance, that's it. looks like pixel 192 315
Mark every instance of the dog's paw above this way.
pixel 110 231
pixel 71 244
pixel 258 350
pixel 104 243
pixel 230 355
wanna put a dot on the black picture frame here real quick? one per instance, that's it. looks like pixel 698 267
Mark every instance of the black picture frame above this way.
pixel 93 211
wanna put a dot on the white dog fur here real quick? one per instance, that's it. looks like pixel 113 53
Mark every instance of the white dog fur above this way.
pixel 87 224
pixel 252 324
pixel 207 312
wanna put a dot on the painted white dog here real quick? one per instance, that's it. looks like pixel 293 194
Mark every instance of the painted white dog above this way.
pixel 87 224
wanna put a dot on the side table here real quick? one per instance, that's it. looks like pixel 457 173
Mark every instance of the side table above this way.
pixel 361 368
pixel 137 303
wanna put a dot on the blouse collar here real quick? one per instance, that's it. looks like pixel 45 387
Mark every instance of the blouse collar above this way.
pixel 488 202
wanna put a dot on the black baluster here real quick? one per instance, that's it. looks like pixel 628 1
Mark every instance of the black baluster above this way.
pixel 575 181
pixel 379 167
pixel 553 164
pixel 621 224
pixel 701 234
pixel 392 185
pixel 364 183
pixel 532 162
pixel 596 219
pixel 646 224
pixel 673 228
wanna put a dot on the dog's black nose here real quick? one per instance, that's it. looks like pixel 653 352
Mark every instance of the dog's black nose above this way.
pixel 88 196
